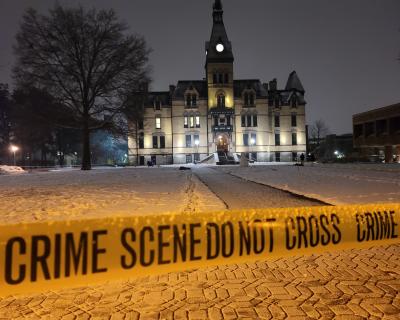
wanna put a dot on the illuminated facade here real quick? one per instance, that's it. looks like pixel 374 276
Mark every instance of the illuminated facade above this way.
pixel 221 117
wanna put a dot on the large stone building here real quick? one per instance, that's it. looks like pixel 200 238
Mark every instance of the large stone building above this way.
pixel 220 118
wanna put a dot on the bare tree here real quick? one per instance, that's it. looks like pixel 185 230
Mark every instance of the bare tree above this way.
pixel 5 122
pixel 318 131
pixel 87 61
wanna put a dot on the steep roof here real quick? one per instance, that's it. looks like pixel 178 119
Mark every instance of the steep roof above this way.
pixel 294 83
pixel 199 85
pixel 255 84
pixel 163 96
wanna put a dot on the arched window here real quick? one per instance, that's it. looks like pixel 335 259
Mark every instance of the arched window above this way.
pixel 251 99
pixel 221 100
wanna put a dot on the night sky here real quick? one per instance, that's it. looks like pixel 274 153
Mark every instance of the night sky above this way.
pixel 343 51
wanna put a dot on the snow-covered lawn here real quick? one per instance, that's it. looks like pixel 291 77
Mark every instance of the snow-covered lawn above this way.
pixel 332 183
pixel 68 194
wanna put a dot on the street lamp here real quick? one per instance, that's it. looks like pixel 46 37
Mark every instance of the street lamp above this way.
pixel 14 149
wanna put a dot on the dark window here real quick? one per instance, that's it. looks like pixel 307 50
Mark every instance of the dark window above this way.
pixel 243 121
pixel 277 121
pixel 294 120
pixel 255 121
pixel 228 120
pixel 245 139
pixel 141 160
pixel 394 125
pixel 158 105
pixel 221 101
pixel 154 160
pixel 194 100
pixel 188 158
pixel 188 141
pixel 369 128
pixel 252 99
pixel 140 125
pixel 155 142
pixel 162 142
pixel 221 78
pixel 226 78
pixel 249 121
pixel 294 139
pixel 358 130
pixel 277 156
pixel 196 157
pixel 141 140
pixel 277 139
pixel 246 99
pixel 215 80
pixel 294 102
pixel 254 156
pixel 381 127
pixel 277 104
pixel 294 156
pixel 216 121
pixel 188 100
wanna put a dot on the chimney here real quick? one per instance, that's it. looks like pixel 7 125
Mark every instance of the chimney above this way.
pixel 273 85
pixel 171 89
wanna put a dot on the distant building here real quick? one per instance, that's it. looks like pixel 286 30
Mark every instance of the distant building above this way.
pixel 219 116
pixel 377 133
pixel 332 147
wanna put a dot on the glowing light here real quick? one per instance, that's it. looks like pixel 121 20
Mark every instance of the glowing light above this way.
pixel 220 47
pixel 14 148
pixel 197 142
pixel 252 141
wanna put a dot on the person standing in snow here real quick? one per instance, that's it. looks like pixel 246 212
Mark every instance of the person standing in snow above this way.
pixel 302 159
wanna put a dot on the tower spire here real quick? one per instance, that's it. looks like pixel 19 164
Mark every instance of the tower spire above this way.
pixel 217 11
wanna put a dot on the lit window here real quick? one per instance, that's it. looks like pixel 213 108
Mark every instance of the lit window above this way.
pixel 186 122
pixel 253 140
pixel 191 122
pixel 197 122
pixel 158 123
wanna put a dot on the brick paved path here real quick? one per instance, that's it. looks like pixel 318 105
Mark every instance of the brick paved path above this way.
pixel 355 284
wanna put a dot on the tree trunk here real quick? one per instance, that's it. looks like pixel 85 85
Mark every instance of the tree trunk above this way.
pixel 86 158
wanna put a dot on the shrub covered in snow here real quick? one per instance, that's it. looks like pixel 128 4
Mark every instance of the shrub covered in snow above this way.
pixel 11 170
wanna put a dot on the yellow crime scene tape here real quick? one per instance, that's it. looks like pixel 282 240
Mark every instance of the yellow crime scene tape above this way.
pixel 59 254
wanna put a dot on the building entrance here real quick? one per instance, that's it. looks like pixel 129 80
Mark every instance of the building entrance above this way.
pixel 222 143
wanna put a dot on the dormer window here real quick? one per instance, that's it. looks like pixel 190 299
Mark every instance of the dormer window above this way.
pixel 191 100
pixel 294 101
pixel 249 99
pixel 157 104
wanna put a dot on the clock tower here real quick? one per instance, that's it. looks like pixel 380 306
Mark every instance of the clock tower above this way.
pixel 219 75
pixel 219 63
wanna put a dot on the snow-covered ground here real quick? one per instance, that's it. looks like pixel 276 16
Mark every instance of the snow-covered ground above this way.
pixel 333 183
pixel 64 194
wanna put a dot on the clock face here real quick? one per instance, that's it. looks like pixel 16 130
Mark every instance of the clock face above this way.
pixel 220 47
